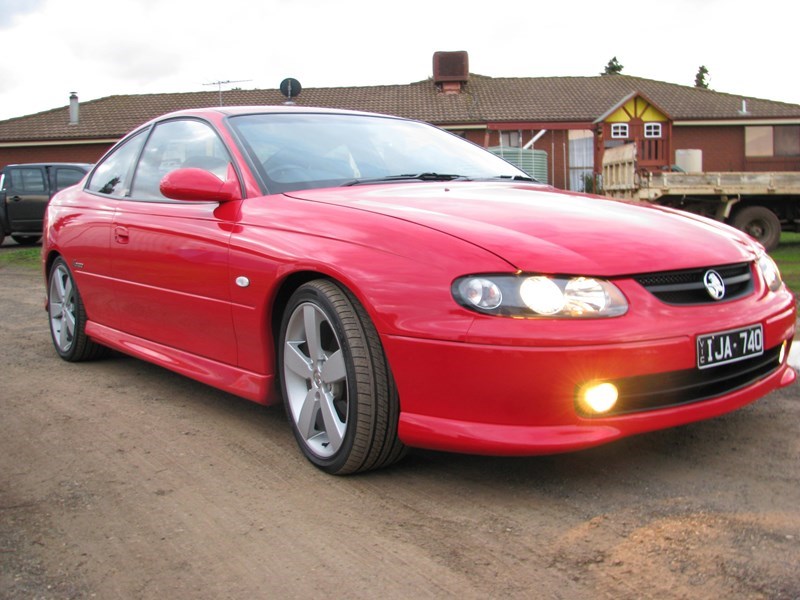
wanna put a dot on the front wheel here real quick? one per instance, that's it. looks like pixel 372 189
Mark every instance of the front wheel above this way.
pixel 337 387
pixel 68 317
pixel 761 223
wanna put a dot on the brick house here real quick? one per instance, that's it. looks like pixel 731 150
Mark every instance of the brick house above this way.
pixel 573 120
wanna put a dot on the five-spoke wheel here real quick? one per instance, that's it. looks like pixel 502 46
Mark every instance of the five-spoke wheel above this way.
pixel 68 317
pixel 339 393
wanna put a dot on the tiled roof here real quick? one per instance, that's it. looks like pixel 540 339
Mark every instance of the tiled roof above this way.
pixel 484 99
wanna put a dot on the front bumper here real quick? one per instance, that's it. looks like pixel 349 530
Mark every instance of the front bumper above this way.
pixel 520 400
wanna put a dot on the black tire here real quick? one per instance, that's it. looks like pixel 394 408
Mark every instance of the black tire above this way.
pixel 67 317
pixel 338 390
pixel 761 223
pixel 27 240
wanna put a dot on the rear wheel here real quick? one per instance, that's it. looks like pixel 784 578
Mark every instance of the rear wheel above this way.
pixel 68 317
pixel 761 223
pixel 26 240
pixel 339 393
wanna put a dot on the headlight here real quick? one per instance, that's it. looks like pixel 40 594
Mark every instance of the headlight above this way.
pixel 540 296
pixel 769 271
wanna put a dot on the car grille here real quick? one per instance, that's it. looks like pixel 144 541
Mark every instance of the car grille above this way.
pixel 664 390
pixel 687 287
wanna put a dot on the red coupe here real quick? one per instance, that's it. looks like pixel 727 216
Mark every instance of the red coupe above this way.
pixel 396 286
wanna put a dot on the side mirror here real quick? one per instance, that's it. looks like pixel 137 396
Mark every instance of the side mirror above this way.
pixel 199 185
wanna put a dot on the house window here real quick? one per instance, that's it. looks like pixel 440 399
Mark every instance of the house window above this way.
pixel 758 141
pixel 652 130
pixel 787 140
pixel 780 140
pixel 510 139
pixel 619 130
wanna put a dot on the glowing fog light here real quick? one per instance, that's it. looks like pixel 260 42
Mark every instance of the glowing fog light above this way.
pixel 782 355
pixel 542 295
pixel 599 397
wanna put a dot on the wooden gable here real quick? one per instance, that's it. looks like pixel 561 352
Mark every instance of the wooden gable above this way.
pixel 639 121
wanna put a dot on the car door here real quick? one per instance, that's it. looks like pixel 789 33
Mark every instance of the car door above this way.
pixel 82 231
pixel 170 258
pixel 26 197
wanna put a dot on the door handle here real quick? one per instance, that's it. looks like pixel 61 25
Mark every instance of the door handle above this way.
pixel 15 198
pixel 121 234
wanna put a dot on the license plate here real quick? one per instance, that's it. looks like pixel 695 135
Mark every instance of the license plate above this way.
pixel 727 347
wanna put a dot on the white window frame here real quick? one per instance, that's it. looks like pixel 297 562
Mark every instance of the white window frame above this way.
pixel 619 131
pixel 511 139
pixel 653 130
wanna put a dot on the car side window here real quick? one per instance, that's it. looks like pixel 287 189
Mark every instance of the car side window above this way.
pixel 26 181
pixel 112 175
pixel 175 144
pixel 65 177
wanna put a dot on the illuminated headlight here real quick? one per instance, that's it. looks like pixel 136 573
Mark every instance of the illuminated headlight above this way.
pixel 769 271
pixel 540 296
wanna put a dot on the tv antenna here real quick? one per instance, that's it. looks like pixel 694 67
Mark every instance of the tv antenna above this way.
pixel 219 85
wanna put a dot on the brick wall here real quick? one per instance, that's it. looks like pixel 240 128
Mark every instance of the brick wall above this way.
pixel 723 150
pixel 723 147
pixel 83 153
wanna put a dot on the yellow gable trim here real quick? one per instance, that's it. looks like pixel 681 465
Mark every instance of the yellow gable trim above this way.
pixel 636 108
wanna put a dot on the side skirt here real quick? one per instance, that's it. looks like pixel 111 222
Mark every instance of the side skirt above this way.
pixel 252 386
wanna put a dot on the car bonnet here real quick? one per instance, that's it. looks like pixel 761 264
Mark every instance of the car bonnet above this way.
pixel 540 229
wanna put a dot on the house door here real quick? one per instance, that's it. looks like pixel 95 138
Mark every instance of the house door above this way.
pixel 581 160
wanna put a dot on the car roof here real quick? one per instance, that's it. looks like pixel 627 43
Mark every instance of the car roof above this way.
pixel 284 109
pixel 53 164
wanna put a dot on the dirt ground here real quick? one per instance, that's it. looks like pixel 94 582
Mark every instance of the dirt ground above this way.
pixel 121 480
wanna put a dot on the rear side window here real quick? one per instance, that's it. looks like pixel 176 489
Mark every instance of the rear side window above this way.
pixel 113 174
pixel 66 177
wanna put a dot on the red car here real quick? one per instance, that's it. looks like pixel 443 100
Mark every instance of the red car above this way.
pixel 396 286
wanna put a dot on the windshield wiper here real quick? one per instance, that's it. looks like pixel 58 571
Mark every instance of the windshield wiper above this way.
pixel 427 176
pixel 509 178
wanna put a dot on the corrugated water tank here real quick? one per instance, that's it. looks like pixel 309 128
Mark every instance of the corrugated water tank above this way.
pixel 533 162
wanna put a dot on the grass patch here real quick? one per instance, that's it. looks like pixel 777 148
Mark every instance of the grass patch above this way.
pixel 787 255
pixel 27 258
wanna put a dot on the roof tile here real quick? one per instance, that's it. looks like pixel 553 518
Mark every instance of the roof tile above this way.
pixel 484 99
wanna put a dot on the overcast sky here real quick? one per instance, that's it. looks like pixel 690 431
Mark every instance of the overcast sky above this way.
pixel 101 48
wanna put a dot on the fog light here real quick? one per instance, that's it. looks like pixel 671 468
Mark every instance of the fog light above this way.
pixel 782 355
pixel 599 397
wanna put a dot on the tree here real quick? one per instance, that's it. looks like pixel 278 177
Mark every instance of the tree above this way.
pixel 700 78
pixel 613 67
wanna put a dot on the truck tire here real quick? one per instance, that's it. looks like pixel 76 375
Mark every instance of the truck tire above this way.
pixel 761 223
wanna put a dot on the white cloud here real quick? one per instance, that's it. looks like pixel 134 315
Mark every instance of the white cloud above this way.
pixel 101 48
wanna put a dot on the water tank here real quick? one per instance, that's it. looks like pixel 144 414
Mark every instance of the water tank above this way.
pixel 689 161
pixel 533 162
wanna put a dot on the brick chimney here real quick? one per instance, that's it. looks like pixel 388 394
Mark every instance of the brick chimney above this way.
pixel 450 71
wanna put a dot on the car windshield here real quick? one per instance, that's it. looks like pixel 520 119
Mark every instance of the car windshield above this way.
pixel 302 151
